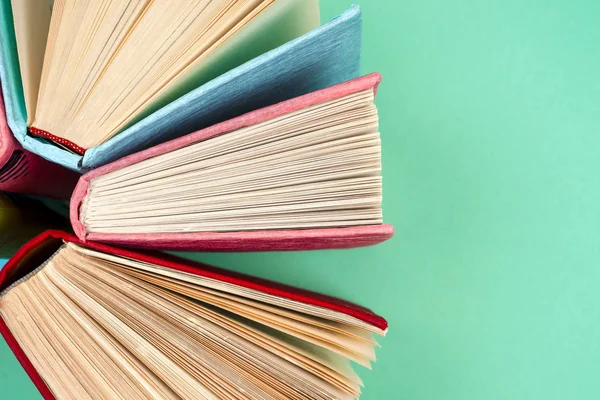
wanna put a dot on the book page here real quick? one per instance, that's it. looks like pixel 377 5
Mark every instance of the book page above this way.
pixel 94 330
pixel 281 22
pixel 107 74
pixel 32 22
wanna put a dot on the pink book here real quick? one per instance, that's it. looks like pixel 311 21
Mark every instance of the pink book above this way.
pixel 104 213
pixel 27 173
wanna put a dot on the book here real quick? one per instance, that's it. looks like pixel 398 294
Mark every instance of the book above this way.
pixel 24 217
pixel 301 174
pixel 24 172
pixel 87 320
pixel 120 98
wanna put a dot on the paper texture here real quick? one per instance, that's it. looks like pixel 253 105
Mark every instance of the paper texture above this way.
pixel 24 172
pixel 267 240
pixel 325 56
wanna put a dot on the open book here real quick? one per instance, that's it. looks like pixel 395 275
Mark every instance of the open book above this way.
pixel 91 81
pixel 301 174
pixel 88 321
pixel 22 218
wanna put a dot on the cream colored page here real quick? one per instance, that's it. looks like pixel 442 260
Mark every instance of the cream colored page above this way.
pixel 229 288
pixel 188 49
pixel 149 42
pixel 327 363
pixel 32 22
pixel 242 356
pixel 164 367
pixel 83 36
pixel 281 22
pixel 361 351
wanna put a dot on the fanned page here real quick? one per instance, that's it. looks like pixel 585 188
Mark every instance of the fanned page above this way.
pixel 96 325
pixel 32 21
pixel 318 167
pixel 112 63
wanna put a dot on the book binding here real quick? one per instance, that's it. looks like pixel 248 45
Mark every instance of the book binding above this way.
pixel 56 139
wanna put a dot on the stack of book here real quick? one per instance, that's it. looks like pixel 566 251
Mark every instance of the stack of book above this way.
pixel 213 125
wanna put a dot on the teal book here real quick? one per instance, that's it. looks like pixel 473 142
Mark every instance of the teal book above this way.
pixel 83 94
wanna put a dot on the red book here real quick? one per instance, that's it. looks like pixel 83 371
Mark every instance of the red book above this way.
pixel 169 320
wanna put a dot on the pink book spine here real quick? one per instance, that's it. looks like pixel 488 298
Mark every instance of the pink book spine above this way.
pixel 24 172
pixel 272 240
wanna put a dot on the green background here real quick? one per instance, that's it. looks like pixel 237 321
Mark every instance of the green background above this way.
pixel 490 116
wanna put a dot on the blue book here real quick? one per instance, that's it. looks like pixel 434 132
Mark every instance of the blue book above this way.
pixel 254 77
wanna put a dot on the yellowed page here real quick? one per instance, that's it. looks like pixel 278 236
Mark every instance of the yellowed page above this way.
pixel 32 22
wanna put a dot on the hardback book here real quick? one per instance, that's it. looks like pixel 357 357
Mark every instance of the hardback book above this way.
pixel 24 172
pixel 90 321
pixel 301 174
pixel 89 82
pixel 22 218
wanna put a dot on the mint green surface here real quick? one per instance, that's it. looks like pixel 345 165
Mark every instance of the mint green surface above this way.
pixel 490 119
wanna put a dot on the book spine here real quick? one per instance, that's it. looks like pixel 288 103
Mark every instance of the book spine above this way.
pixel 58 140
